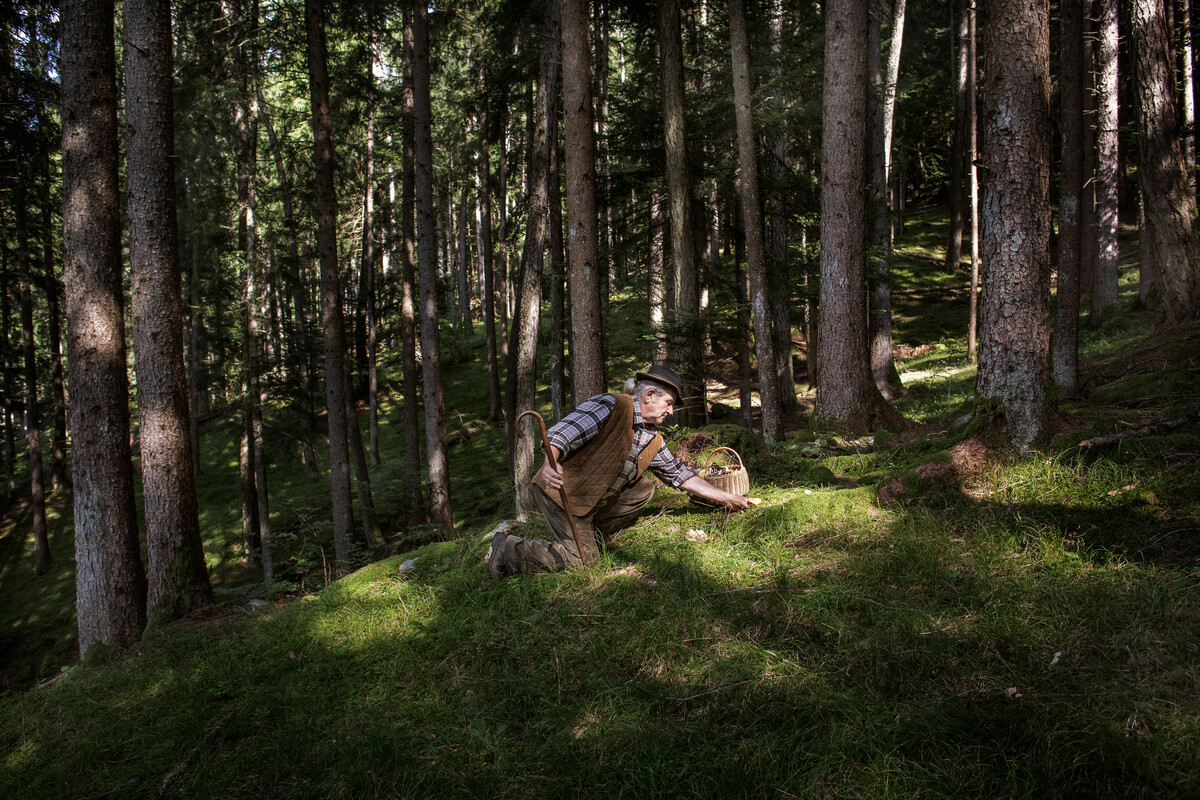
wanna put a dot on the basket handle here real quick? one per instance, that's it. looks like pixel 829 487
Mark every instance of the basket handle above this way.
pixel 715 450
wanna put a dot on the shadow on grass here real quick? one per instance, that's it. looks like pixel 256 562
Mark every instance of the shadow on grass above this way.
pixel 785 656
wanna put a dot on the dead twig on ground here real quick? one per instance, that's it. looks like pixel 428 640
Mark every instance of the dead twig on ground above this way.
pixel 1145 430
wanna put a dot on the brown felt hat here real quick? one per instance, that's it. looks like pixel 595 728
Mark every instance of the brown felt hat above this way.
pixel 664 375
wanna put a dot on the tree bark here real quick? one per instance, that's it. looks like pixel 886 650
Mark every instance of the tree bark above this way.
pixel 656 274
pixel 408 281
pixel 431 366
pixel 847 398
pixel 1065 342
pixel 768 377
pixel 958 145
pixel 883 112
pixel 973 175
pixel 685 324
pixel 33 421
pixel 178 576
pixel 367 295
pixel 1104 288
pixel 110 583
pixel 332 319
pixel 58 445
pixel 1170 207
pixel 1014 348
pixel 522 437
pixel 556 277
pixel 487 260
pixel 780 271
pixel 579 163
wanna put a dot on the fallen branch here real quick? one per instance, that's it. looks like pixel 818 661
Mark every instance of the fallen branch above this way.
pixel 116 789
pixel 1145 430
pixel 174 774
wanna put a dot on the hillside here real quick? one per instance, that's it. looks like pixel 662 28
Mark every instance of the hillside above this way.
pixel 905 614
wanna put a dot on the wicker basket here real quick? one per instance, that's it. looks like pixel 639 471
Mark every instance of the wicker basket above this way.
pixel 735 481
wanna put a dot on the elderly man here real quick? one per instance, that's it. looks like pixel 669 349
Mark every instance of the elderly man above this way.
pixel 601 450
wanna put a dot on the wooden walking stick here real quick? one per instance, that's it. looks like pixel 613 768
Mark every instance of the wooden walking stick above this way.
pixel 562 490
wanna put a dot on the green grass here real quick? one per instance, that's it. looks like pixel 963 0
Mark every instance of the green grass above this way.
pixel 1025 631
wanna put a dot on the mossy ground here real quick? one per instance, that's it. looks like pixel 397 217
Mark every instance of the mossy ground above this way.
pixel 1025 630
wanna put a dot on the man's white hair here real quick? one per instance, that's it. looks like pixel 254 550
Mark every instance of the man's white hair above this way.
pixel 639 388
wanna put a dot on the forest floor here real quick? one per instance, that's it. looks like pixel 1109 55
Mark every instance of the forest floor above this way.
pixel 905 614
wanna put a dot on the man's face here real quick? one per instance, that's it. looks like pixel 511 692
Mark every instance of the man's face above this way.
pixel 657 406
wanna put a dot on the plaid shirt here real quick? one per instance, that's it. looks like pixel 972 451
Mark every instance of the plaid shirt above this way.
pixel 580 426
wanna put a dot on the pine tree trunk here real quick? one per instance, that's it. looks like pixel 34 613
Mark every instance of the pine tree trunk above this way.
pixel 10 443
pixel 362 474
pixel 431 366
pixel 1170 207
pixel 487 261
pixel 58 446
pixel 779 273
pixel 685 325
pixel 579 164
pixel 522 351
pixel 883 364
pixel 656 274
pixel 178 576
pixel 847 398
pixel 973 175
pixel 33 422
pixel 768 378
pixel 1014 345
pixel 1065 342
pixel 367 296
pixel 557 279
pixel 408 280
pixel 110 583
pixel 1104 289
pixel 332 319
pixel 958 145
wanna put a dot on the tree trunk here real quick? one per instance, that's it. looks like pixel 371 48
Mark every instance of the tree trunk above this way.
pixel 464 261
pixel 958 145
pixel 362 474
pixel 768 377
pixel 1014 347
pixel 58 446
pixel 522 436
pixel 847 398
pixel 579 164
pixel 883 363
pixel 780 273
pixel 656 273
pixel 1066 321
pixel 1170 207
pixel 685 325
pixel 10 443
pixel 33 422
pixel 745 333
pixel 332 319
pixel 973 174
pixel 431 366
pixel 178 576
pixel 110 583
pixel 557 280
pixel 367 295
pixel 408 280
pixel 1104 289
pixel 487 261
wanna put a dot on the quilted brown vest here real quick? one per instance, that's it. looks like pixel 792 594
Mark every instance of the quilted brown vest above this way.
pixel 589 471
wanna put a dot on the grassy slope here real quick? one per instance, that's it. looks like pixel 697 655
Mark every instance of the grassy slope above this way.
pixel 1029 634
